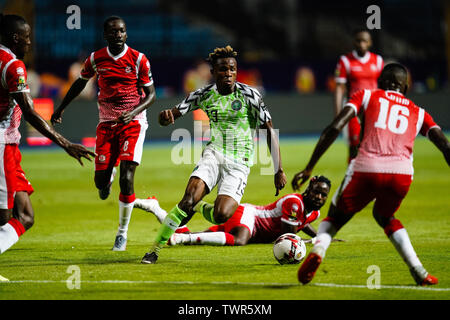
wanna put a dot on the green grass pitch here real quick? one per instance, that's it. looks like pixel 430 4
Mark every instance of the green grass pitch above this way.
pixel 74 228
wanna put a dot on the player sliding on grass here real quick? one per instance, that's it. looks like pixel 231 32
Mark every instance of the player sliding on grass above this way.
pixel 382 170
pixel 16 212
pixel 256 224
pixel 126 91
pixel 235 110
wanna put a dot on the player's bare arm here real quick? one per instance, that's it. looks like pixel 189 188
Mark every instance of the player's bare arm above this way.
pixel 274 147
pixel 339 95
pixel 441 142
pixel 74 91
pixel 326 139
pixel 150 97
pixel 168 116
pixel 25 103
pixel 288 228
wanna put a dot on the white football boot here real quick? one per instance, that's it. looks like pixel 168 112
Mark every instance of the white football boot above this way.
pixel 150 204
pixel 120 244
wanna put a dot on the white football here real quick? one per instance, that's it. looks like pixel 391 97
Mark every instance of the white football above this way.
pixel 289 248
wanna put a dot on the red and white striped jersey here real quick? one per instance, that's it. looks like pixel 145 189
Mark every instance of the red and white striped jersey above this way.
pixel 391 124
pixel 119 79
pixel 359 72
pixel 13 79
pixel 289 209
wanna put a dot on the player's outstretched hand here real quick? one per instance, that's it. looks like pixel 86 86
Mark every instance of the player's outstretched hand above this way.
pixel 56 116
pixel 301 177
pixel 78 151
pixel 166 117
pixel 280 181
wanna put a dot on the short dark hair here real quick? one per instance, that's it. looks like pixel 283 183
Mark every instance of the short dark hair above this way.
pixel 109 19
pixel 218 53
pixel 393 77
pixel 359 30
pixel 320 178
pixel 395 67
pixel 9 24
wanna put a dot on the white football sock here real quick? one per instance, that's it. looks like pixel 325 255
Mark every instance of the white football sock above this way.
pixel 125 210
pixel 209 238
pixel 402 244
pixel 324 236
pixel 8 237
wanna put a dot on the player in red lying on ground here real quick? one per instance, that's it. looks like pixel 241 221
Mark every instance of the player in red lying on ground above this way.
pixel 256 224
pixel 356 70
pixel 382 170
pixel 16 212
pixel 126 91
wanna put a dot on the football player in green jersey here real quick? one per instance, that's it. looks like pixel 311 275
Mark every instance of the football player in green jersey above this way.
pixel 235 111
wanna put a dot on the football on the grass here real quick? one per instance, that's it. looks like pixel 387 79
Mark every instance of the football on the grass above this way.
pixel 289 248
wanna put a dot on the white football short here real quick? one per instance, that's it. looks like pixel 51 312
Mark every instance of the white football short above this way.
pixel 229 176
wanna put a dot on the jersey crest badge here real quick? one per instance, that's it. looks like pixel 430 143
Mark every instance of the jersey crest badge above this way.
pixel 236 105
pixel 21 84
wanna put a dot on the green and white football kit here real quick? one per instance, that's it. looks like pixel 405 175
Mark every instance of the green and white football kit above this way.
pixel 228 156
pixel 233 118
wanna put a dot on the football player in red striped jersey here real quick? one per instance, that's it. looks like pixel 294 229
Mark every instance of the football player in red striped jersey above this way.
pixel 356 70
pixel 16 212
pixel 126 90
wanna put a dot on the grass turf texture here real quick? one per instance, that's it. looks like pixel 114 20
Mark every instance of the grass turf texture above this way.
pixel 73 227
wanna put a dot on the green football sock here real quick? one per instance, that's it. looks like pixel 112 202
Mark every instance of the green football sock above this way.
pixel 206 209
pixel 168 227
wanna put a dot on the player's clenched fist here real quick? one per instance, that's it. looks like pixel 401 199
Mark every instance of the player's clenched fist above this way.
pixel 166 117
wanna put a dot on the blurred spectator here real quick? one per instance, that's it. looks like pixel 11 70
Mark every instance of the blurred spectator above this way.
pixel 34 82
pixel 194 79
pixel 89 91
pixel 252 77
pixel 330 83
pixel 50 85
pixel 305 81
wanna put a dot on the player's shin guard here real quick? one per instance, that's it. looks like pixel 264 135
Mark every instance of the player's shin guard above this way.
pixel 399 237
pixel 207 210
pixel 10 233
pixel 325 234
pixel 168 227
pixel 126 204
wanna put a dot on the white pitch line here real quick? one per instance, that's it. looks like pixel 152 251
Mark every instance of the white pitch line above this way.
pixel 334 285
pixel 331 285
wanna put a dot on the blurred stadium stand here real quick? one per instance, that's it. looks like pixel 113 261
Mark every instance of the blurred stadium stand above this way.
pixel 289 48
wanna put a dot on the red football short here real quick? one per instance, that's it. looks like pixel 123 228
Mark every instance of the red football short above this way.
pixel 12 177
pixel 119 142
pixel 359 188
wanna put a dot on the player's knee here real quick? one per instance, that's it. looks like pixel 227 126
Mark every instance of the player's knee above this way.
pixel 221 215
pixel 4 218
pixel 100 182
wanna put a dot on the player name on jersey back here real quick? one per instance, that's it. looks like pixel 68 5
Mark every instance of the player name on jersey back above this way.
pixel 391 124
